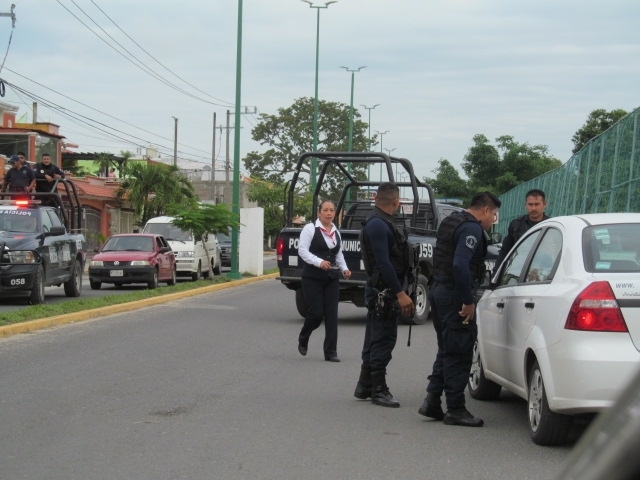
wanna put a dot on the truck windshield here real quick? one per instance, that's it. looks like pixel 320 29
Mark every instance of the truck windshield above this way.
pixel 25 222
pixel 168 231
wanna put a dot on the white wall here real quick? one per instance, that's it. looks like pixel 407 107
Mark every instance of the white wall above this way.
pixel 251 243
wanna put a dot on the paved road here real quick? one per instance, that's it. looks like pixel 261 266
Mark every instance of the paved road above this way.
pixel 212 387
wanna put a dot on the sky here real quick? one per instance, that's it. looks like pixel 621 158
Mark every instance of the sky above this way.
pixel 440 71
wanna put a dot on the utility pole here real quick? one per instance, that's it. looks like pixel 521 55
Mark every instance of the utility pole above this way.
pixel 175 142
pixel 213 161
pixel 12 15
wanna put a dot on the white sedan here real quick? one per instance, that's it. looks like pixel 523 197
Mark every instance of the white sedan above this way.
pixel 561 328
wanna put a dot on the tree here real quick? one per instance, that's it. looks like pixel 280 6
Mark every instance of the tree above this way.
pixel 290 133
pixel 501 168
pixel 271 200
pixel 104 162
pixel 447 183
pixel 203 220
pixel 153 189
pixel 125 155
pixel 597 122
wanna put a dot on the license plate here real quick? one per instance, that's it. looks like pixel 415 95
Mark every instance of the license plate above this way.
pixel 116 273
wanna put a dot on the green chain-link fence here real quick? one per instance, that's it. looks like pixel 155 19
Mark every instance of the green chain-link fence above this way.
pixel 602 177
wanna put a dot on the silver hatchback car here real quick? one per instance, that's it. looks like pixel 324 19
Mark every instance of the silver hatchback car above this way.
pixel 561 326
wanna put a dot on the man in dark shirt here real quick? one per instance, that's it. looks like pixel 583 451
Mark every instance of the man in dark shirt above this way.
pixel 458 263
pixel 535 203
pixel 19 178
pixel 46 172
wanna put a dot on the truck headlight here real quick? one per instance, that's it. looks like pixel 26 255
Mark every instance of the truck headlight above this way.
pixel 140 263
pixel 187 254
pixel 96 263
pixel 21 256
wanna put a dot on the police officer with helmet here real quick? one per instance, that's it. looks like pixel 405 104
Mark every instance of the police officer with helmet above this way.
pixel 387 258
pixel 458 268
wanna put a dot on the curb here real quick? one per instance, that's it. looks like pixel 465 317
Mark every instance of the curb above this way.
pixel 33 325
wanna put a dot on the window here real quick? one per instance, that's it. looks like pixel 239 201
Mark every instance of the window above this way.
pixel 611 248
pixel 542 264
pixel 46 221
pixel 514 263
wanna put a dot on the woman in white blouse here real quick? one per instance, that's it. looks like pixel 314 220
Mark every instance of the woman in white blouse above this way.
pixel 321 251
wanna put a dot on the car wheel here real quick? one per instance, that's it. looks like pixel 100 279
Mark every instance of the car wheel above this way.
pixel 479 387
pixel 73 286
pixel 172 282
pixel 545 427
pixel 154 281
pixel 216 269
pixel 95 285
pixel 301 303
pixel 37 292
pixel 195 276
pixel 423 307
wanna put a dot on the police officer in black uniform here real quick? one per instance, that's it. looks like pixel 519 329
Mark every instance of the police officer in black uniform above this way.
pixel 535 203
pixel 19 178
pixel 387 258
pixel 458 267
pixel 46 172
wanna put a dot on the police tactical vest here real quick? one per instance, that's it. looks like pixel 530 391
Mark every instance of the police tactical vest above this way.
pixel 400 254
pixel 445 248
pixel 320 249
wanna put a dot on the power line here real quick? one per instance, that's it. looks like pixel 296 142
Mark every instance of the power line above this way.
pixel 156 60
pixel 141 65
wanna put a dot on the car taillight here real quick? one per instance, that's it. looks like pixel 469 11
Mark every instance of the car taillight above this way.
pixel 279 249
pixel 596 309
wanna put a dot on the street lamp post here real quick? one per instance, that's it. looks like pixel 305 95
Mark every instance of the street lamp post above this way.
pixel 369 144
pixel 315 98
pixel 389 150
pixel 353 72
pixel 381 134
pixel 235 207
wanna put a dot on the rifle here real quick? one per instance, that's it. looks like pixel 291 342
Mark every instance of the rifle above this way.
pixel 412 286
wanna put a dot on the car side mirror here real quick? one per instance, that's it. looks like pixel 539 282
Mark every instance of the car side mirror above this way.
pixel 55 232
pixel 165 249
pixel 496 237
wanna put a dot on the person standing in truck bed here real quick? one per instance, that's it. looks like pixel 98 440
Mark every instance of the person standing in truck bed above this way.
pixel 320 248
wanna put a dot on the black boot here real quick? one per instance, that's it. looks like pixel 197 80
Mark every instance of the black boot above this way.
pixel 363 388
pixel 431 407
pixel 380 394
pixel 462 417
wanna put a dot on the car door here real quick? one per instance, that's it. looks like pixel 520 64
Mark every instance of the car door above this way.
pixel 163 260
pixel 529 298
pixel 497 307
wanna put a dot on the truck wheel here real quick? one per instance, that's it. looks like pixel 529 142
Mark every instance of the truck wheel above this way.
pixel 73 286
pixel 95 285
pixel 195 276
pixel 37 293
pixel 154 281
pixel 423 308
pixel 301 303
pixel 216 269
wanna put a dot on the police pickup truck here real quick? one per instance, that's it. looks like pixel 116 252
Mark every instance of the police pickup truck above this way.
pixel 420 217
pixel 37 245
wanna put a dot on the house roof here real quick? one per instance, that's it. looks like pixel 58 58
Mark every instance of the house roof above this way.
pixel 96 187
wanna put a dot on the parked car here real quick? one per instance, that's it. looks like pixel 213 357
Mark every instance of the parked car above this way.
pixel 561 326
pixel 224 241
pixel 191 255
pixel 133 258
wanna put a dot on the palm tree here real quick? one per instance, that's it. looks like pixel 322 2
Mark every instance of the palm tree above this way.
pixel 152 188
pixel 104 161
pixel 125 155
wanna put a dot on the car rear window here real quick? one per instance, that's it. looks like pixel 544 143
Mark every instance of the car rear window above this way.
pixel 611 248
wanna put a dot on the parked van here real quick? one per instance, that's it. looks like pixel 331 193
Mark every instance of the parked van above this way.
pixel 191 258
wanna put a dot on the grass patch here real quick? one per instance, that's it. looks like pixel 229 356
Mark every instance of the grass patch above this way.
pixel 45 310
